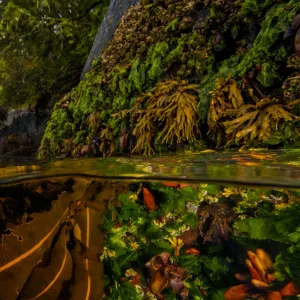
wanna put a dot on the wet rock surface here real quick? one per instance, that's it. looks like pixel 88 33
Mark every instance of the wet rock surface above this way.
pixel 21 132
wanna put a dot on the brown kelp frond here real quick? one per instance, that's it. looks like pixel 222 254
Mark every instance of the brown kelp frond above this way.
pixel 246 124
pixel 107 145
pixel 144 132
pixel 93 121
pixel 226 96
pixel 255 123
pixel 171 104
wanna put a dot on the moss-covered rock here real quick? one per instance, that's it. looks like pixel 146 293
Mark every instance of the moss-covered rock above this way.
pixel 159 40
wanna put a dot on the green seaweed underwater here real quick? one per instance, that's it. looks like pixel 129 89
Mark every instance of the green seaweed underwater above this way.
pixel 202 241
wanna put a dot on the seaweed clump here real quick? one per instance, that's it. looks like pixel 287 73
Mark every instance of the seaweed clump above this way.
pixel 262 121
pixel 169 114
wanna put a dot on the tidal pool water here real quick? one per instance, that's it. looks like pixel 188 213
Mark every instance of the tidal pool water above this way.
pixel 200 226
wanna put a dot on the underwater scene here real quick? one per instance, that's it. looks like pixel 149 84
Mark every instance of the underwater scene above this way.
pixel 155 228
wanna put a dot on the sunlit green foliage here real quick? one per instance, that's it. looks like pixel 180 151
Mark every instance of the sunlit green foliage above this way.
pixel 44 44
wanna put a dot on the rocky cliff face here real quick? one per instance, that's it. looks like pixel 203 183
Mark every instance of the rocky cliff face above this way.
pixel 21 132
pixel 115 11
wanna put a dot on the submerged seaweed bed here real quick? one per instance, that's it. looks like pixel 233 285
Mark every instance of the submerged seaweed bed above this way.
pixel 148 240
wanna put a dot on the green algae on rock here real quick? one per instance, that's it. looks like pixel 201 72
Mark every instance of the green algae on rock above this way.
pixel 196 41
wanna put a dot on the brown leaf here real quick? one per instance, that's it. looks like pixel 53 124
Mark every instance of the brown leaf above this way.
pixel 160 280
pixel 87 283
pixel 189 237
pixel 235 94
pixel 88 273
pixel 156 262
pixel 77 232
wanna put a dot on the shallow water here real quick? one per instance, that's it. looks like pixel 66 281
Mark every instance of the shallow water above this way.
pixel 201 226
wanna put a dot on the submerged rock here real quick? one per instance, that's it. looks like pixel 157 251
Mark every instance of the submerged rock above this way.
pixel 214 222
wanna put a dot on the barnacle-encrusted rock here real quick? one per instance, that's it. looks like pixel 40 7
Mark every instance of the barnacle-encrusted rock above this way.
pixel 214 222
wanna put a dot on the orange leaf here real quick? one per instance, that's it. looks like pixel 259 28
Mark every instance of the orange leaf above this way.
pixel 253 272
pixel 242 277
pixel 183 185
pixel 136 280
pixel 257 264
pixel 149 200
pixel 170 184
pixel 274 295
pixel 264 258
pixel 271 278
pixel 238 292
pixel 290 290
pixel 260 284
pixel 192 251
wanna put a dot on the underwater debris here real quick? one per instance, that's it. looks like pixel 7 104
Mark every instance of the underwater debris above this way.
pixel 165 274
pixel 262 281
pixel 214 222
